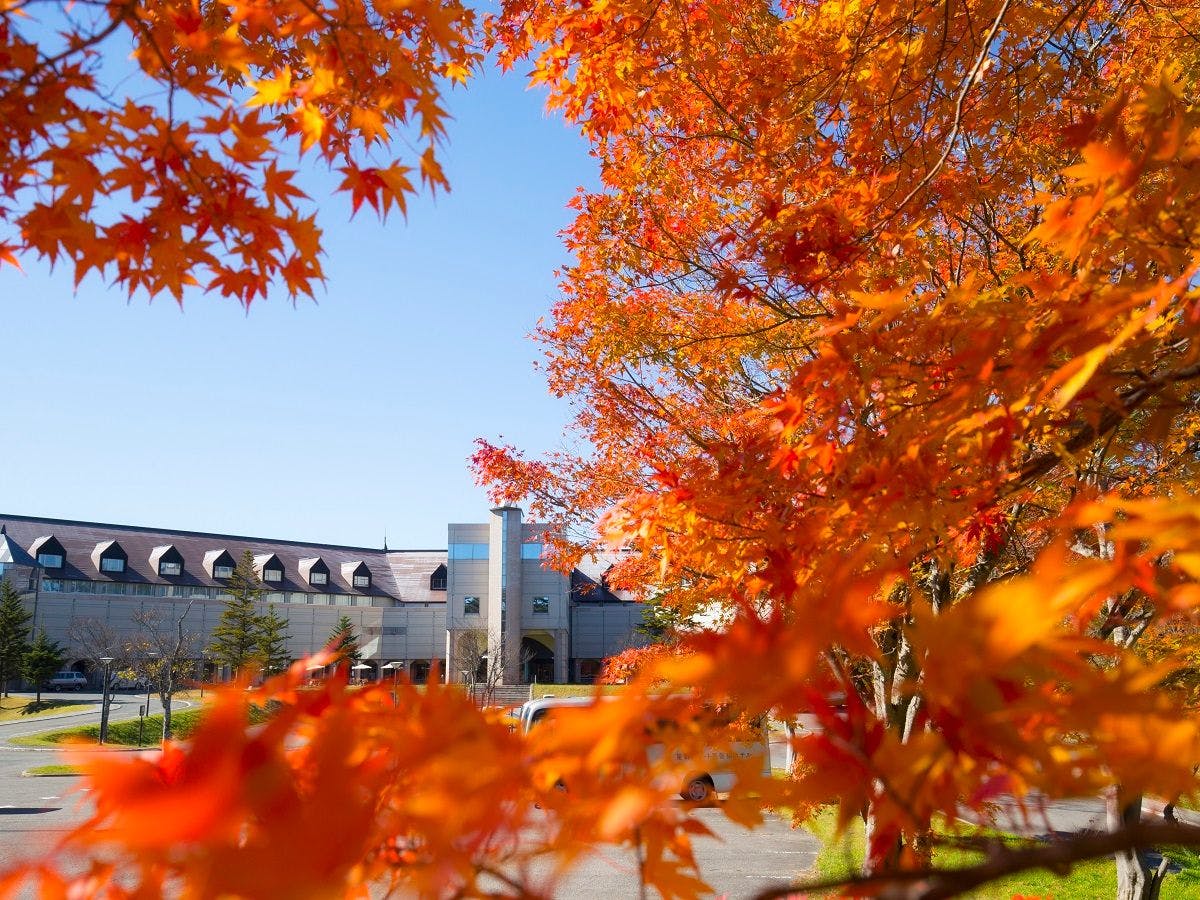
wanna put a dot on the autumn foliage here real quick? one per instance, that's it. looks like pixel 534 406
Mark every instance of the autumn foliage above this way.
pixel 882 330
pixel 178 168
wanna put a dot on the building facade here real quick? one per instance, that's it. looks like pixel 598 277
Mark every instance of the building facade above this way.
pixel 484 607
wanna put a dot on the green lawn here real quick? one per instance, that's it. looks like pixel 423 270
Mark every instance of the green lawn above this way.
pixel 22 708
pixel 842 856
pixel 125 733
pixel 38 771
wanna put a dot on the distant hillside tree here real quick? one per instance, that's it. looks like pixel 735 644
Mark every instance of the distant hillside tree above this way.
pixel 343 642
pixel 235 640
pixel 41 661
pixel 14 634
pixel 272 641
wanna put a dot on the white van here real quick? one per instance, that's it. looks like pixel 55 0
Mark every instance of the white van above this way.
pixel 68 681
pixel 700 787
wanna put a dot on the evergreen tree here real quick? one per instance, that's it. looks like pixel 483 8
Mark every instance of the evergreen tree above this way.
pixel 235 639
pixel 344 642
pixel 273 641
pixel 14 633
pixel 43 658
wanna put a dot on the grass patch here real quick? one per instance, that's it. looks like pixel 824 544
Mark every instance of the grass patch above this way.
pixel 126 733
pixel 42 771
pixel 14 709
pixel 842 856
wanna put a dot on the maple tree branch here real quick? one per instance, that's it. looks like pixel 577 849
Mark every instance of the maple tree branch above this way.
pixel 1109 419
pixel 77 47
pixel 1059 856
pixel 956 123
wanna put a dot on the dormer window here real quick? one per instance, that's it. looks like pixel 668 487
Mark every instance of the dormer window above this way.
pixel 48 552
pixel 269 568
pixel 219 563
pixel 437 581
pixel 110 558
pixel 166 560
pixel 315 571
pixel 357 574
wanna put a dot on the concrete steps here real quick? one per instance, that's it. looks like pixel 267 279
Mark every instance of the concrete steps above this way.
pixel 503 695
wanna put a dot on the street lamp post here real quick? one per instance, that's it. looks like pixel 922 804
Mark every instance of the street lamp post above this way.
pixel 106 661
pixel 145 709
pixel 203 672
pixel 395 667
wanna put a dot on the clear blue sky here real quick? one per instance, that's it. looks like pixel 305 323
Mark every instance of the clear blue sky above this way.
pixel 329 422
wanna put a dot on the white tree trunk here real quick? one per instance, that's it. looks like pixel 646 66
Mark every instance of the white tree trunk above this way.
pixel 1135 879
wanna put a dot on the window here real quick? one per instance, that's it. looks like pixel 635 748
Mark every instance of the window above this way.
pixel 470 606
pixel 272 575
pixel 531 551
pixel 170 568
pixel 589 670
pixel 318 578
pixel 50 560
pixel 541 605
pixel 222 571
pixel 362 581
pixel 437 581
pixel 112 564
pixel 468 551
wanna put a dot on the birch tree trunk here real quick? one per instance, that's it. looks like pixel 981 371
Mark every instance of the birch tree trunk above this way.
pixel 1135 879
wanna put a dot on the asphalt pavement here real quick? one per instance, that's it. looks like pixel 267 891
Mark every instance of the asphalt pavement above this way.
pixel 37 812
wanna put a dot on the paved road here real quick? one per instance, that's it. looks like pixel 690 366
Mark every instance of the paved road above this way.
pixel 124 706
pixel 737 862
pixel 35 812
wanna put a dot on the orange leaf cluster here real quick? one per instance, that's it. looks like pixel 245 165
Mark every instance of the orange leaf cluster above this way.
pixel 177 174
pixel 343 791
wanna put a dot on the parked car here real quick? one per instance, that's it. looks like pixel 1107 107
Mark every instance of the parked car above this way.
pixel 712 773
pixel 127 683
pixel 68 681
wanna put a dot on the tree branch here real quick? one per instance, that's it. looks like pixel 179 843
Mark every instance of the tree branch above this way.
pixel 1059 856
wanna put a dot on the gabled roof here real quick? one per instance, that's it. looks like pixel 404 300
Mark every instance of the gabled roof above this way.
pixel 218 557
pixel 108 550
pixel 47 543
pixel 165 553
pixel 266 561
pixel 311 564
pixel 11 553
pixel 355 567
pixel 439 574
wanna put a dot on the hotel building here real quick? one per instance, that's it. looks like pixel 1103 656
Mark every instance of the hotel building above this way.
pixel 413 609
